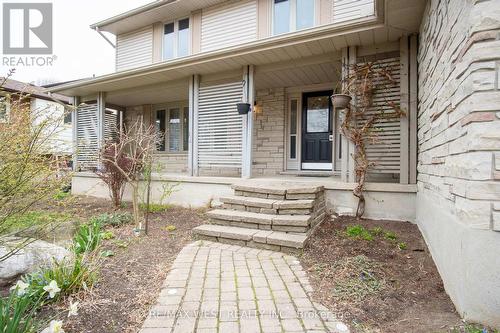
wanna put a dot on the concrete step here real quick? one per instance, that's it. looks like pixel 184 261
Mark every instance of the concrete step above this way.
pixel 279 192
pixel 260 220
pixel 268 206
pixel 271 240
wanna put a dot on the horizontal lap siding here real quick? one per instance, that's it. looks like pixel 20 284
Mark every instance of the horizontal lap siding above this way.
pixel 228 26
pixel 344 10
pixel 220 126
pixel 134 49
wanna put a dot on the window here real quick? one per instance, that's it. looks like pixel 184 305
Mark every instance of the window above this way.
pixel 67 116
pixel 4 108
pixel 173 124
pixel 176 39
pixel 291 15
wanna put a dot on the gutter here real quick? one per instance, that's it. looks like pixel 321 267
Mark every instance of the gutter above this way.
pixel 132 12
pixel 258 45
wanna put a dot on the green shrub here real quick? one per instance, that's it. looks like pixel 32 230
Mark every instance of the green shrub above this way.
pixel 154 208
pixel 402 246
pixel 16 314
pixel 358 231
pixel 114 220
pixel 87 237
pixel 71 275
pixel 390 235
pixel 61 195
pixel 106 235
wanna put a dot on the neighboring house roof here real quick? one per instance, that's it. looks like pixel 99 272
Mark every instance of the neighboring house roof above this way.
pixel 157 11
pixel 33 90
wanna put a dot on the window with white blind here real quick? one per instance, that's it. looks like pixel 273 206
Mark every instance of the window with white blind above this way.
pixel 173 124
pixel 176 39
pixel 292 15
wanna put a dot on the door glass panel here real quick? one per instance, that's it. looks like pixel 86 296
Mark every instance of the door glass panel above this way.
pixel 305 14
pixel 174 130
pixel 318 114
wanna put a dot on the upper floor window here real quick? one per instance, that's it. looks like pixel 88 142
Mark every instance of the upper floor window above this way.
pixel 291 15
pixel 176 39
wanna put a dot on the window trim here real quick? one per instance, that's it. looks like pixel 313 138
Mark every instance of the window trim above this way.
pixel 176 38
pixel 293 18
pixel 183 108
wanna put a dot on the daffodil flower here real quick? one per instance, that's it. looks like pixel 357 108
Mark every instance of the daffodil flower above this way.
pixel 20 287
pixel 73 309
pixel 55 326
pixel 52 289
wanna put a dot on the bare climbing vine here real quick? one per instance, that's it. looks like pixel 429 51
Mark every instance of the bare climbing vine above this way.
pixel 362 118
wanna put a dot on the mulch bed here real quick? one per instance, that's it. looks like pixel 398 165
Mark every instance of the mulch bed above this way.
pixel 129 281
pixel 409 297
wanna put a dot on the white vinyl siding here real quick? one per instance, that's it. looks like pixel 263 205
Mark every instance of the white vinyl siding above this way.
pixel 345 10
pixel 220 126
pixel 229 25
pixel 386 150
pixel 134 49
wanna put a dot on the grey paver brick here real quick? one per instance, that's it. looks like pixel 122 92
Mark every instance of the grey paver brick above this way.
pixel 214 287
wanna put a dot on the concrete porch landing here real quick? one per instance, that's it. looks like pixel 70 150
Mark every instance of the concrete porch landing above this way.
pixel 214 287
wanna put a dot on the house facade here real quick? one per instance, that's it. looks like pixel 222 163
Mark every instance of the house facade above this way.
pixel 44 106
pixel 184 65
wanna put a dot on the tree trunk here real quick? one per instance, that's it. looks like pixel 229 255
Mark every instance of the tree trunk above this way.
pixel 135 207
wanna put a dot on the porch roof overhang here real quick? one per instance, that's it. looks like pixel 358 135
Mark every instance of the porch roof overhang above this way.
pixel 387 25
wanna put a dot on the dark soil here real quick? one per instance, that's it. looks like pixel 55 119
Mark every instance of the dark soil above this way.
pixel 412 297
pixel 129 281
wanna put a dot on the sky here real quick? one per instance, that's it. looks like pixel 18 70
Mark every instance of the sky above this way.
pixel 80 51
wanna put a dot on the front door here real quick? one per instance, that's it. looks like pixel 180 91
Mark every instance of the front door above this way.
pixel 317 131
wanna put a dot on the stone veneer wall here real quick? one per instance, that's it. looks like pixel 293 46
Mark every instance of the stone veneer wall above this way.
pixel 269 133
pixel 458 199
pixel 172 162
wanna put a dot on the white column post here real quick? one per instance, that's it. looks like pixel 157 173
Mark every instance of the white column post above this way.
pixel 247 135
pixel 404 104
pixel 101 109
pixel 348 148
pixel 352 147
pixel 74 132
pixel 194 87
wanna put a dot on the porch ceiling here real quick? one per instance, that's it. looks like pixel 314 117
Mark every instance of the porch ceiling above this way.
pixel 402 17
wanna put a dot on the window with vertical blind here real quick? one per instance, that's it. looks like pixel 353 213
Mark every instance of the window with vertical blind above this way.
pixel 173 125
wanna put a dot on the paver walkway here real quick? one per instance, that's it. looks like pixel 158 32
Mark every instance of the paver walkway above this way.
pixel 214 287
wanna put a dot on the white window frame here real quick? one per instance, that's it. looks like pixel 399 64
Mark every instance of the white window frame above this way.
pixel 7 108
pixel 176 38
pixel 293 17
pixel 183 108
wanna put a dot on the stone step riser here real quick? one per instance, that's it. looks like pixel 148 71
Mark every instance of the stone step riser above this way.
pixel 283 228
pixel 295 211
pixel 286 196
